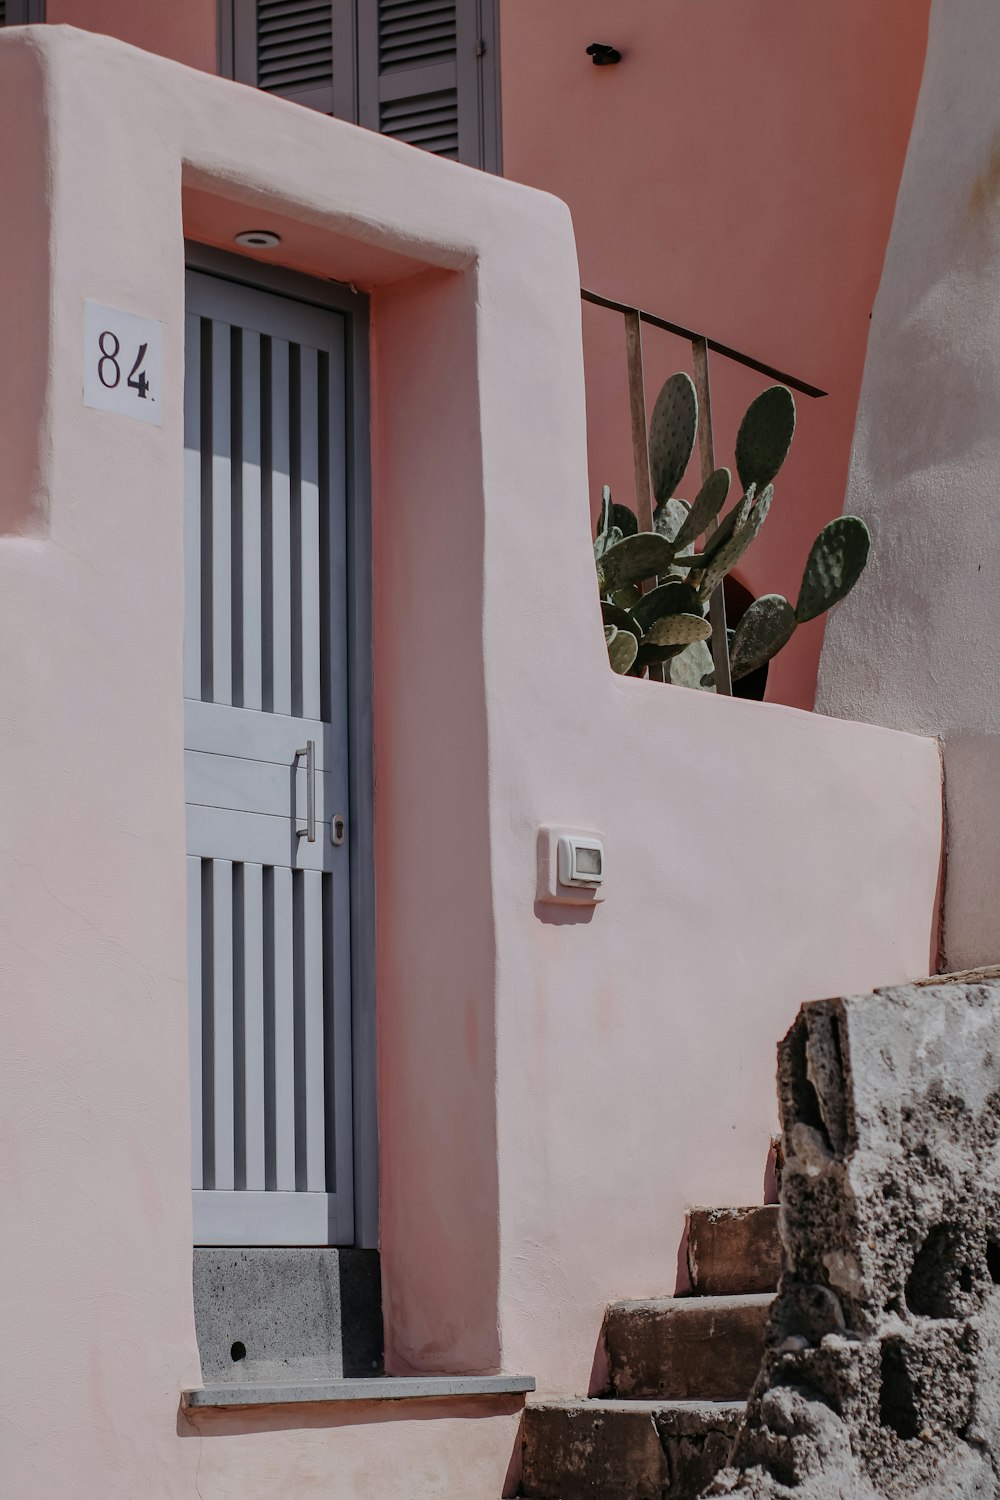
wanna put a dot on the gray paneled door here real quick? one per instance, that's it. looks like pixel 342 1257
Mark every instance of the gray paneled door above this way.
pixel 266 767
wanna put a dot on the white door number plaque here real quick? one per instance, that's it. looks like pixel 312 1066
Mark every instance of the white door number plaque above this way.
pixel 123 363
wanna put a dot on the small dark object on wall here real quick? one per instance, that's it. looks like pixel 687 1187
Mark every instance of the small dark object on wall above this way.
pixel 601 54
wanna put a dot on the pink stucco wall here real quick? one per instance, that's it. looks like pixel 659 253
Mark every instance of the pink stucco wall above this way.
pixel 735 173
pixel 554 1087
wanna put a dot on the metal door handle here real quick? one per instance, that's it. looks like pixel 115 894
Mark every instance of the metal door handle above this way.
pixel 310 754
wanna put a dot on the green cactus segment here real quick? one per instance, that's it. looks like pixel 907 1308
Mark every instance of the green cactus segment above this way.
pixel 835 564
pixel 672 598
pixel 729 523
pixel 606 540
pixel 622 651
pixel 604 520
pixel 634 558
pixel 670 517
pixel 625 598
pixel 671 434
pixel 677 630
pixel 729 554
pixel 768 624
pixel 624 519
pixel 620 619
pixel 710 500
pixel 690 667
pixel 651 656
pixel 765 436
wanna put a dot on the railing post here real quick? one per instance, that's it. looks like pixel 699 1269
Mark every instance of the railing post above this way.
pixel 637 411
pixel 706 454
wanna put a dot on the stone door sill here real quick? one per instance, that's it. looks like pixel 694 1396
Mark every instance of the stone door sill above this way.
pixel 369 1388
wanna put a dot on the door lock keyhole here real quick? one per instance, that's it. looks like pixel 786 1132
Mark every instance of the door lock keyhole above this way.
pixel 338 830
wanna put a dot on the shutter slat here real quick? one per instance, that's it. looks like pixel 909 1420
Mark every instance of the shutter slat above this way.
pixel 294 44
pixel 428 120
pixel 416 31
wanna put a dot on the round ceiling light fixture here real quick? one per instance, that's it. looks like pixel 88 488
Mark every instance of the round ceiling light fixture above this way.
pixel 258 239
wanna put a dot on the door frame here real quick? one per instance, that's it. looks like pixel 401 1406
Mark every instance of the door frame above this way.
pixel 353 306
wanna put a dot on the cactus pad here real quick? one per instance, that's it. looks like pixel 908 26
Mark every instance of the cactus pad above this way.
pixel 634 558
pixel 604 520
pixel 605 540
pixel 690 667
pixel 729 554
pixel 669 517
pixel 613 615
pixel 768 624
pixel 677 630
pixel 710 500
pixel 622 651
pixel 672 434
pixel 835 564
pixel 624 519
pixel 672 598
pixel 765 436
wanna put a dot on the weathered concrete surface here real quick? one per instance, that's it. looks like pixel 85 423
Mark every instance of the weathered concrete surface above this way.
pixel 686 1348
pixel 733 1250
pixel 624 1450
pixel 882 1371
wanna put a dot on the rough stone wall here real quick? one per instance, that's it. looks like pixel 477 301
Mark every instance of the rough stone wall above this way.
pixel 882 1371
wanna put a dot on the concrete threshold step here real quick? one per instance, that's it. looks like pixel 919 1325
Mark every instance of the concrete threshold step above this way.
pixel 625 1450
pixel 686 1348
pixel 364 1388
pixel 733 1250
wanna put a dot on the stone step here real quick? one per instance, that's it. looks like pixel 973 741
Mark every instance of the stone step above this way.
pixel 733 1250
pixel 686 1348
pixel 625 1450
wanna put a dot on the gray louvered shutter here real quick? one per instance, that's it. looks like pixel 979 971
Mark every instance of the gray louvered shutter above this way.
pixel 427 74
pixel 300 49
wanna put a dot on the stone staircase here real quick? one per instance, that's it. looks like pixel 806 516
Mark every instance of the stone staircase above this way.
pixel 680 1371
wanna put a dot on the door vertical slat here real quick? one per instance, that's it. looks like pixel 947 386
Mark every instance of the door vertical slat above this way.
pixel 281 638
pixel 314 1018
pixel 284 1034
pixel 251 428
pixel 222 1017
pixel 222 508
pixel 194 939
pixel 192 512
pixel 253 1028
pixel 311 631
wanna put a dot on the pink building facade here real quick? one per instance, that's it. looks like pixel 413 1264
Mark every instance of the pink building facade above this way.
pixel 543 1085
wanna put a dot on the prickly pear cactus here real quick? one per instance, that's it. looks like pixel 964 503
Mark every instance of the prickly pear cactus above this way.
pixel 709 501
pixel 666 624
pixel 835 564
pixel 769 624
pixel 672 433
pixel 622 650
pixel 674 598
pixel 633 558
pixel 677 630
pixel 725 558
pixel 765 436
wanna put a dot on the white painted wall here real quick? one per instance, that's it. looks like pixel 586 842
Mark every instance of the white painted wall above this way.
pixel 917 645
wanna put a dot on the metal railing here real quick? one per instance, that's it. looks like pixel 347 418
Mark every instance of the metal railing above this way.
pixel 701 346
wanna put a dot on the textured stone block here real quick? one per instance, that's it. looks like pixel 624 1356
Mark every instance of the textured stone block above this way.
pixel 686 1348
pixel 624 1450
pixel 882 1371
pixel 733 1250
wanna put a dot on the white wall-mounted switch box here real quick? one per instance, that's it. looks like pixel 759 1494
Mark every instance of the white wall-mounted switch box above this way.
pixel 580 861
pixel 571 866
